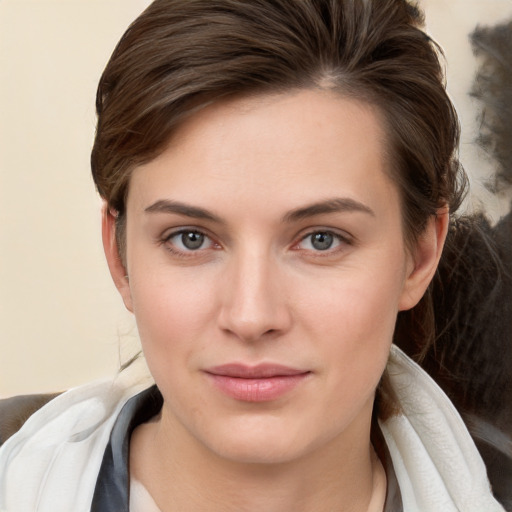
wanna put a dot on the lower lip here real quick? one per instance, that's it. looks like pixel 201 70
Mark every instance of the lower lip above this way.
pixel 257 390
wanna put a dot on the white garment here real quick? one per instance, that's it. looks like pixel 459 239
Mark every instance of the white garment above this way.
pixel 52 463
pixel 436 462
pixel 140 499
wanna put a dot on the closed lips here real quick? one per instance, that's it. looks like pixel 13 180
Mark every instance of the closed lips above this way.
pixel 261 383
pixel 262 371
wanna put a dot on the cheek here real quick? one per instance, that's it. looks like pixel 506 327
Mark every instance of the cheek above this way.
pixel 353 316
pixel 172 308
pixel 360 300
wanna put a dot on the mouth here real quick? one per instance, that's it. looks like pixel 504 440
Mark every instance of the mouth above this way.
pixel 261 383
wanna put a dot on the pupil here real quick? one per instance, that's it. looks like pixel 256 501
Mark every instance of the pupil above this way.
pixel 192 240
pixel 322 241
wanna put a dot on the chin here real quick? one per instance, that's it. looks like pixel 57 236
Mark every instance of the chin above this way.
pixel 263 442
pixel 265 452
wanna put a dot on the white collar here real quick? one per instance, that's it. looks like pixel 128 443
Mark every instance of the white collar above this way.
pixel 436 462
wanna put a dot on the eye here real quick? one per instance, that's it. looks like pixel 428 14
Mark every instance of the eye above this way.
pixel 189 240
pixel 321 241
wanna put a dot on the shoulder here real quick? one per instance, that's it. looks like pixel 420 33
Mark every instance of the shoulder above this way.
pixel 61 441
pixel 15 411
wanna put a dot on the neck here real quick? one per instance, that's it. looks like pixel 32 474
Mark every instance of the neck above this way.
pixel 182 474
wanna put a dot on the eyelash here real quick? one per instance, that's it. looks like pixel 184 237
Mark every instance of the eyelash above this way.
pixel 166 242
pixel 343 240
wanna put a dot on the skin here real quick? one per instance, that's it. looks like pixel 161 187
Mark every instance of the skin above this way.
pixel 258 290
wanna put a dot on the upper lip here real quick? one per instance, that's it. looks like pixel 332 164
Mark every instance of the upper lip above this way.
pixel 259 371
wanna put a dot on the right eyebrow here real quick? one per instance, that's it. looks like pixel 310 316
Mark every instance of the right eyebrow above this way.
pixel 187 210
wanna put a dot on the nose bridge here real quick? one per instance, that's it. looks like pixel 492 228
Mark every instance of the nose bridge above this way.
pixel 254 303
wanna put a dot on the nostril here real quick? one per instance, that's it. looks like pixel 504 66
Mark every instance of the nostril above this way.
pixel 251 332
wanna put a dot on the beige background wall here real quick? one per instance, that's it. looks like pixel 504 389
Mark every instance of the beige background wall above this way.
pixel 61 322
pixel 60 317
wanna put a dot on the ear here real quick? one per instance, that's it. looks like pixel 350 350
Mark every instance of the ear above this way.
pixel 424 259
pixel 115 263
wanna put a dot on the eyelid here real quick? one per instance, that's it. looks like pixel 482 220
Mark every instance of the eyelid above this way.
pixel 171 232
pixel 343 237
pixel 206 240
pixel 165 238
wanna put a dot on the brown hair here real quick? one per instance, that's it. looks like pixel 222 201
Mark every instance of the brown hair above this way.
pixel 180 55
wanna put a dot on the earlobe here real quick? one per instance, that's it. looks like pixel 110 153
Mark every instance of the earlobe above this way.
pixel 424 259
pixel 114 261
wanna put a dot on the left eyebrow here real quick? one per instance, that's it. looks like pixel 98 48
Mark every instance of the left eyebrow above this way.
pixel 340 204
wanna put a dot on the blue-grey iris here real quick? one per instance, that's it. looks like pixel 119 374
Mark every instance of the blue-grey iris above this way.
pixel 322 241
pixel 192 239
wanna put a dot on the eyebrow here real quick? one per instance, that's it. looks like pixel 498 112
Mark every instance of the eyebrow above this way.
pixel 341 204
pixel 335 205
pixel 168 206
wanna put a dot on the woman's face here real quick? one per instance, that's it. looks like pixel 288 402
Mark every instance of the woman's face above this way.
pixel 266 266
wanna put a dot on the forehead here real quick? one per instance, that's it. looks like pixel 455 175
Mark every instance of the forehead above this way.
pixel 292 148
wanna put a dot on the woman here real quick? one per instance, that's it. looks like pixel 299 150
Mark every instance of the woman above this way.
pixel 278 178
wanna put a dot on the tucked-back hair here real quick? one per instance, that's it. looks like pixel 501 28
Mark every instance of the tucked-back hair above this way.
pixel 181 55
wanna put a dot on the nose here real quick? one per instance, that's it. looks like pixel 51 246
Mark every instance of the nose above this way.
pixel 254 304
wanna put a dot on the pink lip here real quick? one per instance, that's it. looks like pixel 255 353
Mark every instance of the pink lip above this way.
pixel 261 383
